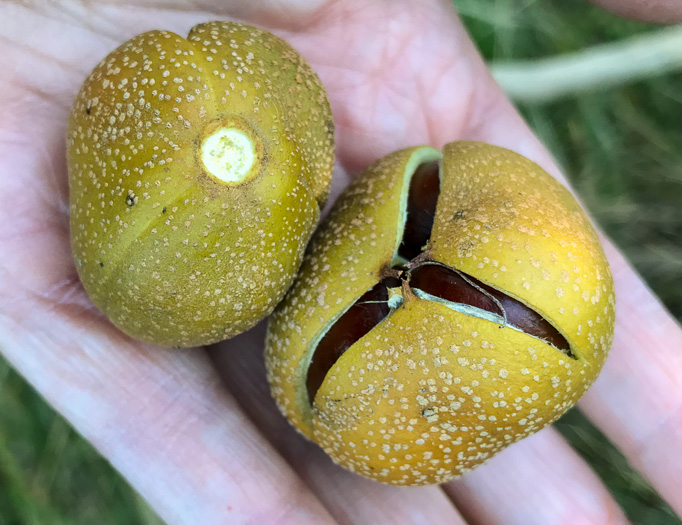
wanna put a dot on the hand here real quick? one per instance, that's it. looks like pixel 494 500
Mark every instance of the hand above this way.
pixel 399 73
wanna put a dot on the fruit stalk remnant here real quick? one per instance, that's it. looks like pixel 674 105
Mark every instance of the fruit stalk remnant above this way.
pixel 228 154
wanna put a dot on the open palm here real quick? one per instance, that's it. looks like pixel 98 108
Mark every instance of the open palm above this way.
pixel 196 431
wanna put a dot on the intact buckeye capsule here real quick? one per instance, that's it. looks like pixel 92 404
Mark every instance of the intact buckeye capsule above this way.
pixel 197 169
pixel 449 306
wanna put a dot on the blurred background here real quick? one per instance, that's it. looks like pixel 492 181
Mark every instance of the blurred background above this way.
pixel 620 145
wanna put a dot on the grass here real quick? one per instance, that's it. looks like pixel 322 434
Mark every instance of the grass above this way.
pixel 51 476
pixel 621 148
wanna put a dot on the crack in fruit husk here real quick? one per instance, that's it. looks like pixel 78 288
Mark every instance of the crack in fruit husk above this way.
pixel 420 276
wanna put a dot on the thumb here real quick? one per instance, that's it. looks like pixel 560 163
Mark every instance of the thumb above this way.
pixel 660 11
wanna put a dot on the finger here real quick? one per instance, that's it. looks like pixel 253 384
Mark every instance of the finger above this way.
pixel 349 498
pixel 290 14
pixel 637 400
pixel 161 417
pixel 539 480
pixel 398 80
pixel 663 11
pixel 283 14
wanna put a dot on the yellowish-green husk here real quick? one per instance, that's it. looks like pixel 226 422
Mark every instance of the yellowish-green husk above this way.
pixel 171 254
pixel 430 392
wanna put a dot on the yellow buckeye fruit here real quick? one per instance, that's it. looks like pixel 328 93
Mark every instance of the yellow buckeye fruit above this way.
pixel 197 168
pixel 449 306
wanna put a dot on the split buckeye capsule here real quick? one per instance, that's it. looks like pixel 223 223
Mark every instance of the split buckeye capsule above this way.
pixel 449 306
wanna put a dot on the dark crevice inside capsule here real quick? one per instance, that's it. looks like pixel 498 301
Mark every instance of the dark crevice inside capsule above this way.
pixel 367 312
pixel 421 210
pixel 370 309
pixel 450 285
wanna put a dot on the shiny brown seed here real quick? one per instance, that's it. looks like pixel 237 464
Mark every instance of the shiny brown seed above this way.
pixel 365 314
pixel 421 209
pixel 457 288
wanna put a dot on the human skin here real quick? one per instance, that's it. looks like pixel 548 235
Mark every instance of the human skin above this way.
pixel 196 431
pixel 662 11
